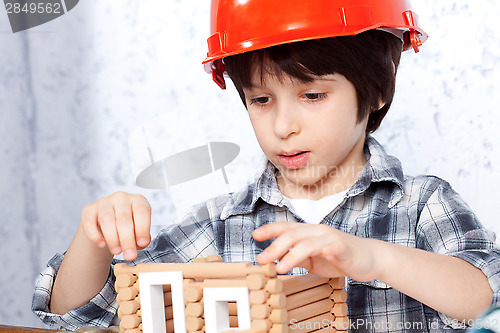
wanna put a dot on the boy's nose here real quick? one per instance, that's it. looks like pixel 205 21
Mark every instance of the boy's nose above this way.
pixel 286 122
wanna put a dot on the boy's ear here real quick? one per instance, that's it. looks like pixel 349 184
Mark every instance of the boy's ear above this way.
pixel 381 104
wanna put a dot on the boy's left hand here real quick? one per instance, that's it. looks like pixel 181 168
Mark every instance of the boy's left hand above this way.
pixel 320 249
pixel 445 283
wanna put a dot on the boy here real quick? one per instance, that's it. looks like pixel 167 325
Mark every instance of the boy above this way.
pixel 317 77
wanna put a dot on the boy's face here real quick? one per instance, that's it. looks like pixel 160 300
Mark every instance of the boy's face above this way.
pixel 309 131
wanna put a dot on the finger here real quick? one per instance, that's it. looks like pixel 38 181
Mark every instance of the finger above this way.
pixel 90 225
pixel 302 252
pixel 307 264
pixel 125 229
pixel 285 240
pixel 141 212
pixel 107 223
pixel 321 267
pixel 271 230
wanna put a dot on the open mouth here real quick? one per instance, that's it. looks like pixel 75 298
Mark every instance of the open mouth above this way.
pixel 294 160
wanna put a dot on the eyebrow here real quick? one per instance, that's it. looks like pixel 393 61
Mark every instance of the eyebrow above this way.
pixel 322 78
pixel 254 85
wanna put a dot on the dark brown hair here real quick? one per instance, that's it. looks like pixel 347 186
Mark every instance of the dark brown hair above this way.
pixel 368 60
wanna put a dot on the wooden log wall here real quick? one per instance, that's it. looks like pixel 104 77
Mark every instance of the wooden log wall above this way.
pixel 278 304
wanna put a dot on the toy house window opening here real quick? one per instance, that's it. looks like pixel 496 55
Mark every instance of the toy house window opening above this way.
pixel 157 290
pixel 233 314
pixel 226 309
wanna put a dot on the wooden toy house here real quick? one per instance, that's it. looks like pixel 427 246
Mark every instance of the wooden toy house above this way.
pixel 209 296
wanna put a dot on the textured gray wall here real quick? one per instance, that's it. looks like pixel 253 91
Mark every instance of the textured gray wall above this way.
pixel 73 90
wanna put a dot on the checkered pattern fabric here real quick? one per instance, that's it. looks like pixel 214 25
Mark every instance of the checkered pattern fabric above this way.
pixel 422 212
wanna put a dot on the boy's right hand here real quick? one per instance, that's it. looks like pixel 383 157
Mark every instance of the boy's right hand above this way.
pixel 121 221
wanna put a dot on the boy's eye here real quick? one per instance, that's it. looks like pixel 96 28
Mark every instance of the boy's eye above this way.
pixel 314 96
pixel 262 100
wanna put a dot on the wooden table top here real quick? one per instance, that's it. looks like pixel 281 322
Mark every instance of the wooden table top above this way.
pixel 89 329
pixel 21 329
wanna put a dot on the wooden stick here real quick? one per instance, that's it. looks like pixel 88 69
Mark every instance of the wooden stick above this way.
pixel 128 293
pixel 200 331
pixel 256 281
pixel 167 298
pixel 194 323
pixel 316 323
pixel 129 307
pixel 251 330
pixel 310 310
pixel 194 309
pixel 214 258
pixel 233 321
pixel 130 321
pixel 187 282
pixel 169 312
pixel 210 258
pixel 210 283
pixel 123 268
pixel 341 323
pixel 277 301
pixel 279 328
pixel 258 296
pixel 125 280
pixel 261 324
pixel 200 260
pixel 337 283
pixel 169 325
pixel 339 295
pixel 274 286
pixel 193 292
pixel 302 282
pixel 340 309
pixel 278 316
pixel 268 270
pixel 260 311
pixel 192 270
pixel 119 313
pixel 133 330
pixel 232 308
pixel 308 296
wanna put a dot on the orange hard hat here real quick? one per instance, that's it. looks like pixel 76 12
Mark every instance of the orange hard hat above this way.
pixel 239 26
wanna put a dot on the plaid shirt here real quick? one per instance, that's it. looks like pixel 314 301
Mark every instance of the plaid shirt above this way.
pixel 422 212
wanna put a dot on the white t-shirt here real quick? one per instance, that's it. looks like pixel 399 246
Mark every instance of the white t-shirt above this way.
pixel 314 211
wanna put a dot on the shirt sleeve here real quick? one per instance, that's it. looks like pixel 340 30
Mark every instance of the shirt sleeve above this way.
pixel 191 237
pixel 100 311
pixel 448 226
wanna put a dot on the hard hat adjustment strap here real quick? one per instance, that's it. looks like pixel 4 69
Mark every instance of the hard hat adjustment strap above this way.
pixel 218 70
pixel 411 19
pixel 415 40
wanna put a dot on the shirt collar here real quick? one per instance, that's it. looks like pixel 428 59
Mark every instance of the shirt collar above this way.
pixel 265 188
pixel 380 167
